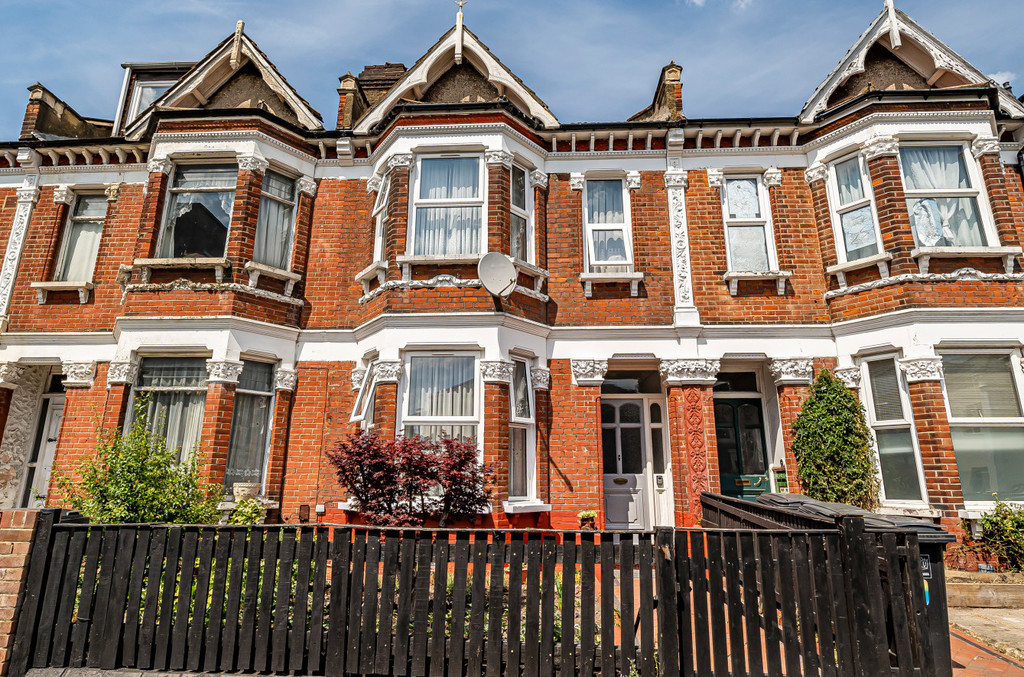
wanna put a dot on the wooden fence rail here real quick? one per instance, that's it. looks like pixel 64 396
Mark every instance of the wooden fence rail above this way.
pixel 355 600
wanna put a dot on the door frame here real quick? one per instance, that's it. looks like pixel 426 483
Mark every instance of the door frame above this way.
pixel 654 516
pixel 770 415
pixel 37 450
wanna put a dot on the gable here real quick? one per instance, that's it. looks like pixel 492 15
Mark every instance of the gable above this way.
pixel 248 89
pixel 883 70
pixel 462 83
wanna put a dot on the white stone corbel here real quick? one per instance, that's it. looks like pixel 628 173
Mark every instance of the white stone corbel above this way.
pixel 387 371
pixel 123 372
pixel 632 180
pixel 496 371
pixel 112 191
pixel 358 378
pixel 28 195
pixel 589 372
pixel 577 180
pixel 78 374
pixel 160 166
pixel 499 157
pixel 880 145
pixel 223 371
pixel 984 145
pixel 10 375
pixel 916 369
pixel 285 379
pixel 540 378
pixel 400 161
pixel 63 194
pixel 677 178
pixel 816 172
pixel 373 184
pixel 689 372
pixel 345 150
pixel 850 376
pixel 792 371
pixel 772 177
pixel 251 162
pixel 715 178
pixel 539 179
pixel 307 186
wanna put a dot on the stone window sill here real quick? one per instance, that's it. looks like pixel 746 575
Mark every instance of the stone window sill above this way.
pixel 524 506
pixel 780 277
pixel 908 511
pixel 925 254
pixel 407 261
pixel 841 269
pixel 255 270
pixel 537 273
pixel 589 279
pixel 377 270
pixel 81 287
pixel 146 266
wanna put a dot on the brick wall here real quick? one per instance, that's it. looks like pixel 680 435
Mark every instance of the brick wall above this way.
pixel 940 470
pixel 16 530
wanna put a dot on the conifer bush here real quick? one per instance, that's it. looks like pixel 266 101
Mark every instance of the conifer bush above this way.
pixel 833 446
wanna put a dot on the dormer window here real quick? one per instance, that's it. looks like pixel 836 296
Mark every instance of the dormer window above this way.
pixel 609 240
pixel 198 213
pixel 448 207
pixel 277 217
pixel 941 197
pixel 145 93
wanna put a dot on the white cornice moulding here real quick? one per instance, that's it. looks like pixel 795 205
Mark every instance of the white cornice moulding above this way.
pixel 229 136
pixel 958 275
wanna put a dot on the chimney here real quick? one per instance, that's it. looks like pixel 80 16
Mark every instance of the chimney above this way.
pixel 351 101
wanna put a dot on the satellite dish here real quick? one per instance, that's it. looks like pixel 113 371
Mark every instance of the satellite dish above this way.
pixel 498 274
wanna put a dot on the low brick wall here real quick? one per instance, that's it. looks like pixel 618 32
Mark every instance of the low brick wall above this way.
pixel 16 528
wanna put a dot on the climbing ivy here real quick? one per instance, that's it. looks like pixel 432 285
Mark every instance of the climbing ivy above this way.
pixel 833 446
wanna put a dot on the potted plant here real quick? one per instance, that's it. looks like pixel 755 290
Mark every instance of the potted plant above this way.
pixel 588 519
pixel 244 490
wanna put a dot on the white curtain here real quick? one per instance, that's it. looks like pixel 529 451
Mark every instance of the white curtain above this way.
pixel 78 257
pixel 449 178
pixel 441 386
pixel 940 221
pixel 447 230
pixel 250 424
pixel 849 180
pixel 519 245
pixel 274 226
pixel 176 415
pixel 609 245
pixel 604 202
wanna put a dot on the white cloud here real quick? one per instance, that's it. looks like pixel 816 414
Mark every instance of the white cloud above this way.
pixel 1002 76
pixel 698 3
pixel 742 4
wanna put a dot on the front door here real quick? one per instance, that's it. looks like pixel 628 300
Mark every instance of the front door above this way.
pixel 743 464
pixel 37 476
pixel 623 446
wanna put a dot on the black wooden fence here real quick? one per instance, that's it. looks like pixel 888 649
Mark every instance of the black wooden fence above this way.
pixel 354 600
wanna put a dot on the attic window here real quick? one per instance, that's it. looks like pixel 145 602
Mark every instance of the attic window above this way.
pixel 145 93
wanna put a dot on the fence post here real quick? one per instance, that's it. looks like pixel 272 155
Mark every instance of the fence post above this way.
pixel 31 592
pixel 668 621
pixel 864 598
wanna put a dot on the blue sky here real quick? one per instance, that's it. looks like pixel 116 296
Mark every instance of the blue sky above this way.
pixel 590 60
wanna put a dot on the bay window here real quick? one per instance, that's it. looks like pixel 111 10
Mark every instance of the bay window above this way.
pixel 986 423
pixel 81 240
pixel 941 197
pixel 888 409
pixel 250 424
pixel 198 213
pixel 519 240
pixel 522 433
pixel 749 242
pixel 607 229
pixel 441 398
pixel 853 211
pixel 448 207
pixel 274 227
pixel 175 392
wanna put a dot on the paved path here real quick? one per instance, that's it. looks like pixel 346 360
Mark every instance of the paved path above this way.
pixel 973 659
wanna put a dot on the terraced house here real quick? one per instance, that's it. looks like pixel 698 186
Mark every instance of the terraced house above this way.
pixel 273 280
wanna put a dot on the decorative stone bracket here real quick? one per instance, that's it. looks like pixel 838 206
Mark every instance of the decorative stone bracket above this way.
pixel 540 378
pixel 10 375
pixel 497 371
pixel 689 372
pixel 850 376
pixel 917 369
pixel 42 288
pixel 387 372
pixel 78 374
pixel 792 371
pixel 223 371
pixel 589 372
pixel 285 379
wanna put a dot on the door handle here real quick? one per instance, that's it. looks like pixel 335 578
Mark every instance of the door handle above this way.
pixel 51 439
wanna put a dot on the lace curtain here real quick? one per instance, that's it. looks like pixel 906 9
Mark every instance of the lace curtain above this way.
pixel 176 391
pixel 940 221
pixel 442 387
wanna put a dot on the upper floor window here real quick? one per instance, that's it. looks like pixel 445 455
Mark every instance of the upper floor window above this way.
pixel 441 397
pixel 889 415
pixel 250 424
pixel 941 198
pixel 522 433
pixel 198 214
pixel 274 227
pixel 175 389
pixel 607 226
pixel 986 422
pixel 81 241
pixel 449 207
pixel 380 215
pixel 853 211
pixel 749 240
pixel 519 246
pixel 144 94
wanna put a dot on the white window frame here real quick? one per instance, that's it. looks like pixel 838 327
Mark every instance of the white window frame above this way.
pixel 380 215
pixel 1017 374
pixel 362 411
pixel 837 209
pixel 65 244
pixel 133 104
pixel 415 202
pixel 475 419
pixel 136 388
pixel 764 222
pixel 526 213
pixel 978 190
pixel 270 426
pixel 171 190
pixel 590 261
pixel 906 423
pixel 295 210
pixel 529 424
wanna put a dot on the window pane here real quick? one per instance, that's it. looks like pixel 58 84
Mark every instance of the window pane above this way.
pixel 250 426
pixel 449 178
pixel 520 391
pixel 604 202
pixel 382 193
pixel 848 180
pixel 899 465
pixel 658 451
pixel 273 233
pixel 946 222
pixel 748 248
pixel 609 245
pixel 256 376
pixel 197 224
pixel 934 167
pixel 980 386
pixel 752 439
pixel 991 461
pixel 169 372
pixel 632 451
pixel 859 233
pixel 518 187
pixel 279 185
pixel 147 95
pixel 519 248
pixel 629 413
pixel 91 206
pixel 441 386
pixel 622 382
pixel 736 381
pixel 885 391
pixel 225 176
pixel 741 196
pixel 437 432
pixel 176 417
pixel 609 451
pixel 447 230
pixel 655 413
pixel 517 463
pixel 78 255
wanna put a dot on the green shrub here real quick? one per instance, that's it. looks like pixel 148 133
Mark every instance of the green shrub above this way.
pixel 134 478
pixel 1002 535
pixel 833 447
pixel 247 511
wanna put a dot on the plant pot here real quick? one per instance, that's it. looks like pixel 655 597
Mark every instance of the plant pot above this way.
pixel 588 523
pixel 244 490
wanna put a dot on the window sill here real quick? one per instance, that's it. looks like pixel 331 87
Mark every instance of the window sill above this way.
pixel 780 277
pixel 255 270
pixel 589 279
pixel 909 511
pixel 146 266
pixel 524 506
pixel 408 260
pixel 841 269
pixel 925 254
pixel 377 270
pixel 42 288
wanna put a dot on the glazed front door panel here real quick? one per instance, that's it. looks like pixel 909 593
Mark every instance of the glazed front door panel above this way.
pixel 623 448
pixel 742 461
